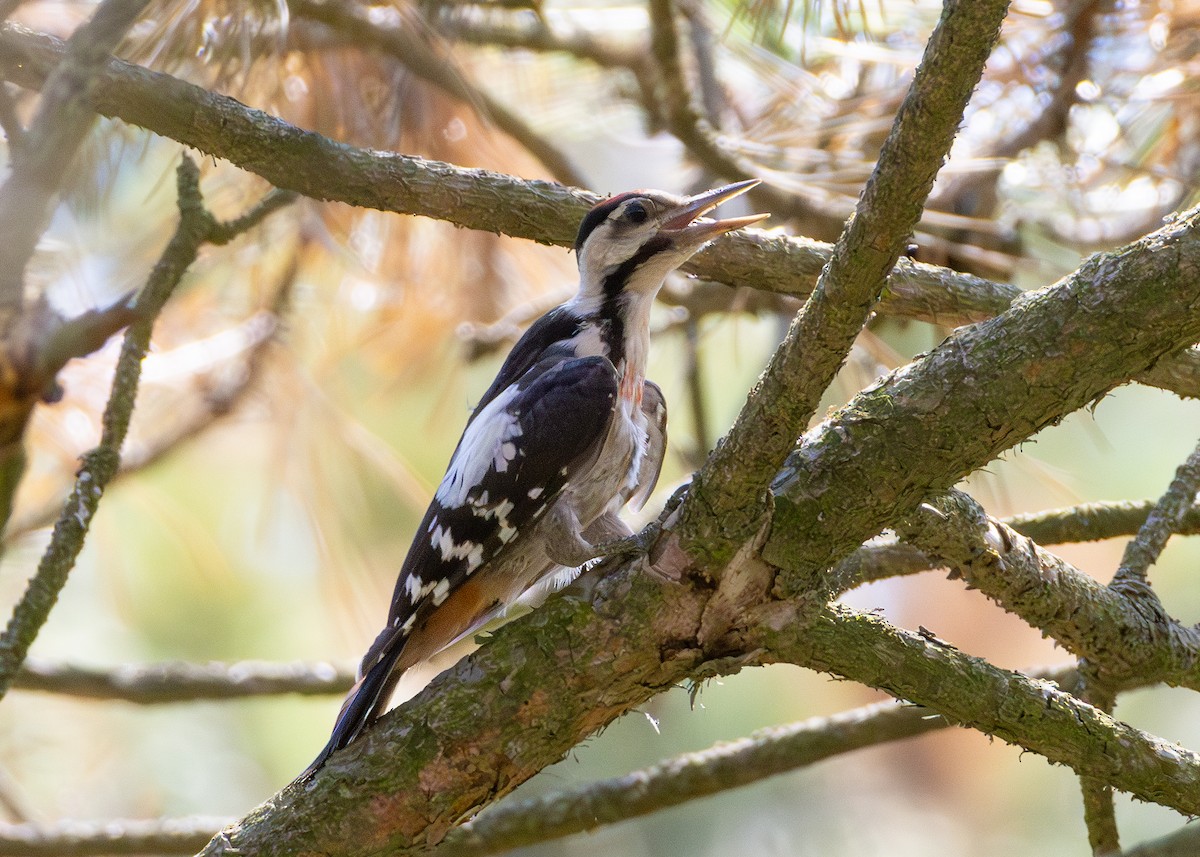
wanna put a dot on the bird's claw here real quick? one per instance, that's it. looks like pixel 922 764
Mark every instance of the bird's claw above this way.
pixel 638 543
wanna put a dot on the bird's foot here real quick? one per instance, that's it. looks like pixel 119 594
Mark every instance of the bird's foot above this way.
pixel 632 545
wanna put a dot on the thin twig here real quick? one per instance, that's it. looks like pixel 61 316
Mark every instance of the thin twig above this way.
pixel 58 127
pixel 1165 519
pixel 1118 636
pixel 539 36
pixel 101 463
pixel 422 58
pixel 115 836
pixel 184 682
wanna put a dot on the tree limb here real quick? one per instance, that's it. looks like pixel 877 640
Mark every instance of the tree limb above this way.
pixel 727 500
pixel 196 226
pixel 983 390
pixel 323 169
pixel 674 781
pixel 184 682
pixel 1116 634
pixel 1013 707
pixel 115 836
pixel 62 119
pixel 545 682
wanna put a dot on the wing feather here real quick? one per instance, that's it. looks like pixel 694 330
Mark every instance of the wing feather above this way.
pixel 654 406
pixel 511 465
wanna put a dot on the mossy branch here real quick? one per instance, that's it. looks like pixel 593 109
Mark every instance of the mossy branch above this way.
pixel 728 497
pixel 1116 634
pixel 982 391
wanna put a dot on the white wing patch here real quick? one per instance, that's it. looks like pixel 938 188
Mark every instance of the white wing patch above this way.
pixel 487 443
pixel 449 549
pixel 415 590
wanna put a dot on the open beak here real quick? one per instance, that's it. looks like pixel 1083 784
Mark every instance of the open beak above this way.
pixel 686 225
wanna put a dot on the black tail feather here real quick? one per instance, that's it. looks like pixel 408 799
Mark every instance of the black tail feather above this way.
pixel 364 703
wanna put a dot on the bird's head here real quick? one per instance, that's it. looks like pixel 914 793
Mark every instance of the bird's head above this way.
pixel 631 241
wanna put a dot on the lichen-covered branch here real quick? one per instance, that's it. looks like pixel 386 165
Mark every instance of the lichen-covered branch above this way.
pixel 1116 634
pixel 728 498
pixel 673 781
pixel 1013 707
pixel 983 390
pixel 728 765
pixel 1099 807
pixel 523 700
pixel 1089 522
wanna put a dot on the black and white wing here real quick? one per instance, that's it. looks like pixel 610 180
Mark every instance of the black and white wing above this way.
pixel 517 454
pixel 512 463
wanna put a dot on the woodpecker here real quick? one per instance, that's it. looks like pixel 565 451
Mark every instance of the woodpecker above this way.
pixel 569 432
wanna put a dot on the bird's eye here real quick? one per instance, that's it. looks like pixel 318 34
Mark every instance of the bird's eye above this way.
pixel 635 212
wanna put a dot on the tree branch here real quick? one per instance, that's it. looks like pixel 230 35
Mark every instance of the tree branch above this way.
pixel 115 836
pixel 477 199
pixel 674 781
pixel 1099 809
pixel 765 753
pixel 1166 518
pixel 100 465
pixel 62 120
pixel 1116 634
pixel 1008 705
pixel 983 390
pixel 728 500
pixel 184 682
pixel 1089 522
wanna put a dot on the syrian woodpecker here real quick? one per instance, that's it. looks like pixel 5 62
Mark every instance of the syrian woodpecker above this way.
pixel 568 433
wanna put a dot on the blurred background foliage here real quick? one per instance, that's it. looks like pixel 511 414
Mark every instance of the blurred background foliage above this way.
pixel 309 382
